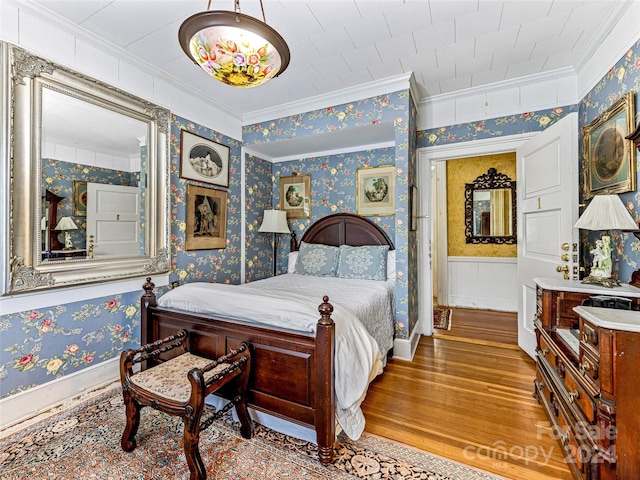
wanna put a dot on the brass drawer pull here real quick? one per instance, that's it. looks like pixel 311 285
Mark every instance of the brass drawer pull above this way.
pixel 573 396
pixel 585 368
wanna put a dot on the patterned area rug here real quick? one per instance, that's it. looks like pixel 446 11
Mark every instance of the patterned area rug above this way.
pixel 442 318
pixel 84 442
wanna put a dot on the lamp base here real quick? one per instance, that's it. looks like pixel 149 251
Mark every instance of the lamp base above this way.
pixel 605 282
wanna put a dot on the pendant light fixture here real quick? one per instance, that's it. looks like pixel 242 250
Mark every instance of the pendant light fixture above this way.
pixel 234 48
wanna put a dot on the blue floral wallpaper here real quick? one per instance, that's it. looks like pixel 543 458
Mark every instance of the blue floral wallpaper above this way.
pixel 41 345
pixel 623 77
pixel 221 266
pixel 259 189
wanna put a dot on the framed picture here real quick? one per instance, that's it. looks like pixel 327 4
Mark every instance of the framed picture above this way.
pixel 79 198
pixel 376 191
pixel 609 158
pixel 413 208
pixel 203 160
pixel 295 196
pixel 206 218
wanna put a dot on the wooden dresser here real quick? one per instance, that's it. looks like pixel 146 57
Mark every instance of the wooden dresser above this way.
pixel 588 377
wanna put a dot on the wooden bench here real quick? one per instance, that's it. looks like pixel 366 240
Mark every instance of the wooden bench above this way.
pixel 178 387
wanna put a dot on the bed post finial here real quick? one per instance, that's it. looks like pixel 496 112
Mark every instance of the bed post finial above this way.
pixel 148 287
pixel 325 309
pixel 293 243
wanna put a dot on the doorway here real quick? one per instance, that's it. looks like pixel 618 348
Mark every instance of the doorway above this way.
pixel 433 169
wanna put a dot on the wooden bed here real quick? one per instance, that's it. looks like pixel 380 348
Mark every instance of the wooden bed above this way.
pixel 293 373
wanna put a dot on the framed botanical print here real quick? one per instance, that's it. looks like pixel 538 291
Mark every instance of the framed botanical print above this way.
pixel 79 198
pixel 376 191
pixel 609 158
pixel 203 160
pixel 206 218
pixel 295 196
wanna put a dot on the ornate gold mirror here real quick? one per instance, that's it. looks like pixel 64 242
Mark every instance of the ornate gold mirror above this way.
pixel 88 168
pixel 490 209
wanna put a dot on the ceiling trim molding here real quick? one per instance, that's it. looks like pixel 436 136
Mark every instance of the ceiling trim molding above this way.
pixel 346 95
pixel 555 75
pixel 321 153
pixel 475 148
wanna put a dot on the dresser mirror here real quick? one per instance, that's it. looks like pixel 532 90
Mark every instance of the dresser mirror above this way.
pixel 490 209
pixel 88 169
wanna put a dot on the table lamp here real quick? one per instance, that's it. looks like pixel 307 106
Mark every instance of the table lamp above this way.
pixel 605 212
pixel 65 224
pixel 274 221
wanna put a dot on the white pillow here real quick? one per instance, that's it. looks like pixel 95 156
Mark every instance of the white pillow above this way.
pixel 391 265
pixel 293 258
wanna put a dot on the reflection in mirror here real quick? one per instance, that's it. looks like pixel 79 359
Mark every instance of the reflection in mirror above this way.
pixel 89 170
pixel 490 209
pixel 92 158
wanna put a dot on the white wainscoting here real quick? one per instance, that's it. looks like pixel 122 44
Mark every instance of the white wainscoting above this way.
pixel 489 283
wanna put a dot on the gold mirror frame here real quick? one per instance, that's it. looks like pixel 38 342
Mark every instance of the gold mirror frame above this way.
pixel 489 181
pixel 26 76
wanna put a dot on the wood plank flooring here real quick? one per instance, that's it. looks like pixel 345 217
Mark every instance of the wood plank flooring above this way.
pixel 469 402
pixel 485 327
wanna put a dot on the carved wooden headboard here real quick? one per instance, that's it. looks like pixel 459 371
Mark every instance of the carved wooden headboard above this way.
pixel 344 229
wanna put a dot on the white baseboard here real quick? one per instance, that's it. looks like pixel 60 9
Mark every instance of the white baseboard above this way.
pixel 403 348
pixel 27 404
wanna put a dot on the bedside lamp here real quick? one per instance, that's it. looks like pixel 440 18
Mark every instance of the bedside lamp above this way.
pixel 274 221
pixel 605 212
pixel 65 224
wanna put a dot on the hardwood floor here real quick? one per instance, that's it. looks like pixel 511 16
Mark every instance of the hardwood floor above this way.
pixel 469 402
pixel 486 327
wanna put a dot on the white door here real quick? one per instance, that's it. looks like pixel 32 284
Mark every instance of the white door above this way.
pixel 113 218
pixel 547 191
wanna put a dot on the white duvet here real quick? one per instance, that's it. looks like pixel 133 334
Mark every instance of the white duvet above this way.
pixel 291 302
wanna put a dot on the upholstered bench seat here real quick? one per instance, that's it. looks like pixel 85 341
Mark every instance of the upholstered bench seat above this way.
pixel 169 379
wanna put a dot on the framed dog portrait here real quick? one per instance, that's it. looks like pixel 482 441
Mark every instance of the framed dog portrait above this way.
pixel 376 191
pixel 203 160
pixel 295 196
pixel 206 218
pixel 610 158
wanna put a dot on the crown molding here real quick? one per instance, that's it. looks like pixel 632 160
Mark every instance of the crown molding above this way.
pixel 320 153
pixel 346 95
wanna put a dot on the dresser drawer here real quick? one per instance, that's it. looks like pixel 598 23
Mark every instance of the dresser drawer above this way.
pixel 577 395
pixel 589 338
pixel 547 351
pixel 589 367
pixel 578 453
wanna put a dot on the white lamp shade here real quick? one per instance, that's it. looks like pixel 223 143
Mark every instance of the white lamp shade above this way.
pixel 274 221
pixel 66 223
pixel 606 212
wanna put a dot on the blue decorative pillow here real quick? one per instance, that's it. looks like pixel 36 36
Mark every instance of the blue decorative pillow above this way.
pixel 317 260
pixel 363 263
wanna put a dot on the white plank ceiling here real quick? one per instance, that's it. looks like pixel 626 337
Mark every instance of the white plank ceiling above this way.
pixel 449 45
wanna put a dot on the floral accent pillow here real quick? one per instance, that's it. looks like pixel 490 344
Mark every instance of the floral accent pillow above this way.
pixel 363 263
pixel 317 260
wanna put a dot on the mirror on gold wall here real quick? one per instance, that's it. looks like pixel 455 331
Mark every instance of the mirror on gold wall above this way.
pixel 490 209
pixel 89 178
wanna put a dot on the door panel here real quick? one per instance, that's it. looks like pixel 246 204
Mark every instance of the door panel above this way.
pixel 547 210
pixel 113 219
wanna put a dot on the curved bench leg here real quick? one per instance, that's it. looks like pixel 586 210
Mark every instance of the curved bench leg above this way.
pixel 132 414
pixel 192 452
